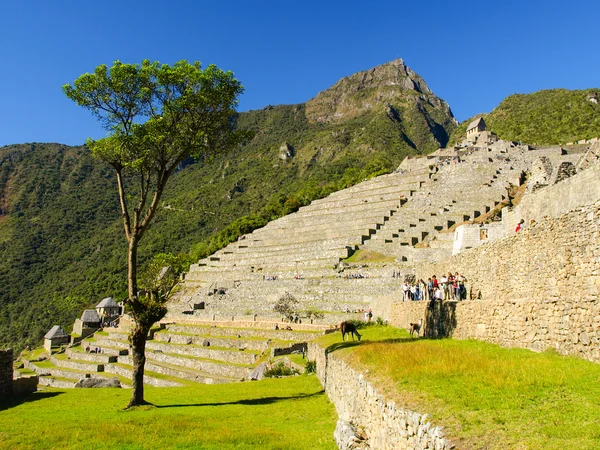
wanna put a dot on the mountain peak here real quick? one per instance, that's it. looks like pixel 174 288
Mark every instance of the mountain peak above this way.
pixel 382 85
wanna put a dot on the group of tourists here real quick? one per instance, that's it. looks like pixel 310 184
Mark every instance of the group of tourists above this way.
pixel 447 287
pixel 356 276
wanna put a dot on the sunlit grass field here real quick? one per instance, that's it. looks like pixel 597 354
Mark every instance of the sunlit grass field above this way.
pixel 290 413
pixel 485 396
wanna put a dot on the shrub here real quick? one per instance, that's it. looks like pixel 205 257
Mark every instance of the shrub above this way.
pixel 310 367
pixel 280 370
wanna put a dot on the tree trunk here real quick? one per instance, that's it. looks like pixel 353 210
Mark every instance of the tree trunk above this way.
pixel 138 344
pixel 132 267
pixel 139 334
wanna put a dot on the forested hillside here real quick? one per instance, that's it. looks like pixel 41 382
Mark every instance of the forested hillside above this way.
pixel 61 238
pixel 555 116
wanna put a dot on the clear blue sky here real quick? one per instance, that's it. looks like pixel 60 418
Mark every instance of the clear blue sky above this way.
pixel 471 53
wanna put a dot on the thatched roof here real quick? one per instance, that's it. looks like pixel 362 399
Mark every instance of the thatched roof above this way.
pixel 90 316
pixel 56 332
pixel 108 302
pixel 476 123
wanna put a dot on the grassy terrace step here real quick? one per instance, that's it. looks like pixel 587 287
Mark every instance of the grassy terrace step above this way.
pixel 112 343
pixel 72 375
pixel 150 378
pixel 244 332
pixel 255 344
pixel 209 366
pixel 225 355
pixel 63 361
pixel 185 373
pixel 79 353
pixel 106 349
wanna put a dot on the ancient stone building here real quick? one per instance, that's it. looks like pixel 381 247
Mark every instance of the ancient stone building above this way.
pixel 55 337
pixel 475 128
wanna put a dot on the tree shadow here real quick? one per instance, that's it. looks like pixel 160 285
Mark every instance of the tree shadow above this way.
pixel 440 319
pixel 246 402
pixel 26 398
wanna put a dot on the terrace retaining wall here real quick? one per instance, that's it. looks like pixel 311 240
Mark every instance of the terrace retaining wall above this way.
pixel 383 424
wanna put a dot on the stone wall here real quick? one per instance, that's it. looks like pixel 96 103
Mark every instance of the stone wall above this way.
pixel 6 373
pixel 537 289
pixel 374 422
pixel 553 201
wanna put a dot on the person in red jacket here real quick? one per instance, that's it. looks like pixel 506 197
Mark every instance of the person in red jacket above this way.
pixel 520 226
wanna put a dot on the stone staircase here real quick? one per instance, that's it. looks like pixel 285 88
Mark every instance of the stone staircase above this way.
pixel 177 354
pixel 316 237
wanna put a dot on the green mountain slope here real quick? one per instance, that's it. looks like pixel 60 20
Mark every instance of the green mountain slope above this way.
pixel 60 233
pixel 555 116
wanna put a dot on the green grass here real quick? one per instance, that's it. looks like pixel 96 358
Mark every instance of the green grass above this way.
pixel 291 413
pixel 369 256
pixel 486 396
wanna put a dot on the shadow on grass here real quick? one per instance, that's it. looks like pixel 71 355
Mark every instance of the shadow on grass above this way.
pixel 26 398
pixel 340 345
pixel 248 402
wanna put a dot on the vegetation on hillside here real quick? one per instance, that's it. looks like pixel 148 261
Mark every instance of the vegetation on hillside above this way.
pixel 555 116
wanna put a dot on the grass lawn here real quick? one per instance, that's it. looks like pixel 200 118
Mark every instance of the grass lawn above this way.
pixel 485 396
pixel 289 413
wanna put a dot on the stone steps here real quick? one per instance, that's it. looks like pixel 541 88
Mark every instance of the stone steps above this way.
pixel 62 361
pixel 150 378
pixel 275 257
pixel 181 338
pixel 77 353
pixel 241 333
pixel 190 362
pixel 229 356
pixel 327 218
pixel 269 267
pixel 185 373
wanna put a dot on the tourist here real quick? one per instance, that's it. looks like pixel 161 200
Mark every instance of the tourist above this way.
pixel 444 285
pixel 430 288
pixel 405 291
pixel 520 226
pixel 423 289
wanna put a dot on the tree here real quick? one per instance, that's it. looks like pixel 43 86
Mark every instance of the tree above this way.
pixel 157 116
pixel 286 305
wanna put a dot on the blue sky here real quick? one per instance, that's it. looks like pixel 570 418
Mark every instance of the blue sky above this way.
pixel 471 53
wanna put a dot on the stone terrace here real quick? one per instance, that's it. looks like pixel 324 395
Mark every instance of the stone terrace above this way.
pixel 407 215
pixel 177 354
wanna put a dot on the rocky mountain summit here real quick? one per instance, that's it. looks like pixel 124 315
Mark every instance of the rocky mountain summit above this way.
pixel 392 88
